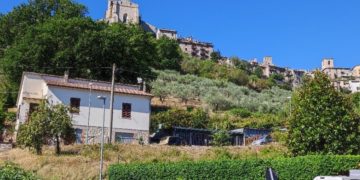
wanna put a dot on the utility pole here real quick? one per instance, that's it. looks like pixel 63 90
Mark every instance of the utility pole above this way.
pixel 102 137
pixel 88 124
pixel 112 103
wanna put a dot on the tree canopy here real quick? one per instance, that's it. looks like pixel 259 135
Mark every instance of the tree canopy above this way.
pixel 47 123
pixel 323 120
pixel 52 36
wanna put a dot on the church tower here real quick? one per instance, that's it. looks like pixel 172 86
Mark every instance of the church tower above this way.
pixel 122 11
pixel 327 63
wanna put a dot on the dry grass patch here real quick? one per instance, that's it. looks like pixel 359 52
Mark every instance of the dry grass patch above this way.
pixel 82 162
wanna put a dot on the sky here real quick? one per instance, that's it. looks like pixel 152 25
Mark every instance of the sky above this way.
pixel 296 33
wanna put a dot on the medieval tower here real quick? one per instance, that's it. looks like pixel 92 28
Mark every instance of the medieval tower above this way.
pixel 327 63
pixel 122 11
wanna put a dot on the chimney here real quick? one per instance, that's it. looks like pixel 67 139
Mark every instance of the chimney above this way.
pixel 66 76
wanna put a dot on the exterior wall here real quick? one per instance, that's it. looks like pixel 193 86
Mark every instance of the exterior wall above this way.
pixel 196 49
pixel 354 86
pixel 169 34
pixel 34 89
pixel 356 71
pixel 140 115
pixel 268 61
pixel 94 136
pixel 123 11
pixel 335 73
pixel 327 63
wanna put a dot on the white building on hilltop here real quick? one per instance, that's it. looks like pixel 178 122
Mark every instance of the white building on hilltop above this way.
pixel 131 106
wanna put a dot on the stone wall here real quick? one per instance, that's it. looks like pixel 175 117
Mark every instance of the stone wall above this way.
pixel 95 135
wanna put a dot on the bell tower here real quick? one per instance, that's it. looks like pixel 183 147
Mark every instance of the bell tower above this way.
pixel 122 11
pixel 327 63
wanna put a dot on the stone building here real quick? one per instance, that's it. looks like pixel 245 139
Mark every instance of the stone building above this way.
pixel 125 11
pixel 196 48
pixel 335 72
pixel 122 11
pixel 356 71
pixel 171 34
pixel 341 78
pixel 290 75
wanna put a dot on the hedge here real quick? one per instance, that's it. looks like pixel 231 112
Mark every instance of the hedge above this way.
pixel 12 172
pixel 307 167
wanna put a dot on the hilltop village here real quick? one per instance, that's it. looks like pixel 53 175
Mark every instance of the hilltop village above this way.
pixel 120 98
pixel 127 12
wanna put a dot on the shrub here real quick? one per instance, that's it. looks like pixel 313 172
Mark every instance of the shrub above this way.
pixel 177 117
pixel 221 138
pixel 300 168
pixel 11 171
pixel 240 112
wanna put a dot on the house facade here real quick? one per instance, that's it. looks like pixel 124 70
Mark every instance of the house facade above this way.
pixel 196 48
pixel 131 120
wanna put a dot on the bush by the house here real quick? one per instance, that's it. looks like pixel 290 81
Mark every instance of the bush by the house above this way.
pixel 300 168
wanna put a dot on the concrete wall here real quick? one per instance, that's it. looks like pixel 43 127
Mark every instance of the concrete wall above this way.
pixel 33 89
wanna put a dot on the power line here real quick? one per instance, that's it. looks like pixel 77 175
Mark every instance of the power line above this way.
pixel 75 68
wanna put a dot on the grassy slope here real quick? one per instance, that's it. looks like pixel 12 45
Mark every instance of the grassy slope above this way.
pixel 82 162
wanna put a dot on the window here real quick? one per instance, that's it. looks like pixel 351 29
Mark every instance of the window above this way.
pixel 124 138
pixel 74 105
pixel 33 107
pixel 126 110
pixel 329 63
pixel 79 136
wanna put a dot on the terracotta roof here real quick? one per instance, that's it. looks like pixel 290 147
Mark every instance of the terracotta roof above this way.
pixel 96 85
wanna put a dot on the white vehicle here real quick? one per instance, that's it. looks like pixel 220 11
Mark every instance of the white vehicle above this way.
pixel 329 178
pixel 354 175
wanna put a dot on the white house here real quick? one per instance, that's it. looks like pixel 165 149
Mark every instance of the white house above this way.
pixel 354 86
pixel 131 106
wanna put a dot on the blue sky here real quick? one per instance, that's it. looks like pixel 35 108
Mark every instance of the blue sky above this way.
pixel 297 33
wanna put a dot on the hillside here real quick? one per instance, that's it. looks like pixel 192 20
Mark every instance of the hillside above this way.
pixel 218 95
